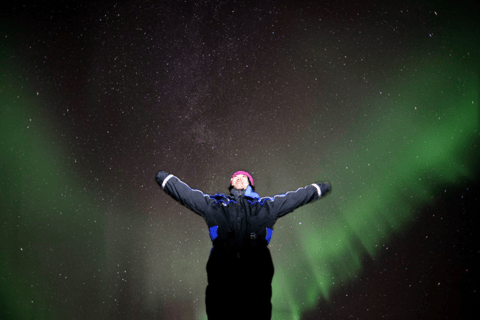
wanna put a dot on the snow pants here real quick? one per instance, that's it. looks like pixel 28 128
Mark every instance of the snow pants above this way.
pixel 239 284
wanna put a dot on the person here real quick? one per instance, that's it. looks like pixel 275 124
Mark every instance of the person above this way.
pixel 239 268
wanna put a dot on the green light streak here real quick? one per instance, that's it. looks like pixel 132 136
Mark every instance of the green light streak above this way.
pixel 47 216
pixel 381 171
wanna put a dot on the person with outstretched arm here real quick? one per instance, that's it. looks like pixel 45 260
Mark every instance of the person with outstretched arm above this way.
pixel 240 224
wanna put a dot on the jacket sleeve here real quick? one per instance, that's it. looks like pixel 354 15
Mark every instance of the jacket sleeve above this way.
pixel 282 204
pixel 193 199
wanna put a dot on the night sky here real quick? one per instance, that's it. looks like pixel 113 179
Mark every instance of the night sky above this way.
pixel 379 98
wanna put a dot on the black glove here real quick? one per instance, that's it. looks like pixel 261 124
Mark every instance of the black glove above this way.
pixel 161 175
pixel 324 187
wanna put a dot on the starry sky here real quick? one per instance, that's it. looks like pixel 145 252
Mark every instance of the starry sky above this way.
pixel 379 98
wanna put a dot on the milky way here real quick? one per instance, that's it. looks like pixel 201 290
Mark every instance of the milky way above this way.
pixel 380 99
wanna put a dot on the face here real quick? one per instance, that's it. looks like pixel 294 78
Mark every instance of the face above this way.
pixel 240 182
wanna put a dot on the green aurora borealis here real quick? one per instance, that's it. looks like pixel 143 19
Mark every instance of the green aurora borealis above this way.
pixel 428 136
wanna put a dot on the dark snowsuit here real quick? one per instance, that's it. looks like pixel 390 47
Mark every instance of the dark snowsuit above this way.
pixel 240 267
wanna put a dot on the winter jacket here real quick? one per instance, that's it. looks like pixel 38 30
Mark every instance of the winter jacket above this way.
pixel 242 218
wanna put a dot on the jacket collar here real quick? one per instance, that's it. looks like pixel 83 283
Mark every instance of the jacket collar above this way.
pixel 237 193
pixel 248 193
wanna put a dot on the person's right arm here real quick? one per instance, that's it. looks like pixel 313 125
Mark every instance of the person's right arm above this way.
pixel 193 199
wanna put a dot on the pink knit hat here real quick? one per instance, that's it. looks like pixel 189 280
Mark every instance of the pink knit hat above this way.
pixel 244 173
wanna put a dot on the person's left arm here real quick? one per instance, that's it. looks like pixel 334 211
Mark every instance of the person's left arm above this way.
pixel 282 204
